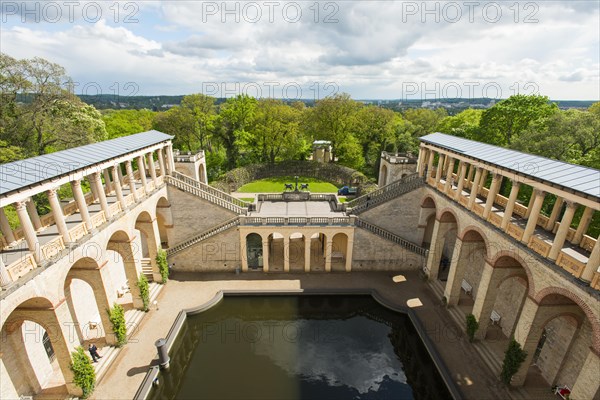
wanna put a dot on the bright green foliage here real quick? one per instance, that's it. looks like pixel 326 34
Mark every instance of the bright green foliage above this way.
pixel 276 185
pixel 513 358
pixel 472 326
pixel 163 266
pixel 375 130
pixel 424 120
pixel 464 124
pixel 127 122
pixel 84 375
pixel 117 318
pixel 142 283
pixel 236 118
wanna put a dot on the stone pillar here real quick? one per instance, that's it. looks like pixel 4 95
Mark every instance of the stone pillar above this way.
pixel 530 204
pixel 583 226
pixel 554 215
pixel 28 231
pixel 494 189
pixel 97 182
pixel 117 186
pixel 266 255
pixel 76 323
pixel 474 189
pixel 328 250
pixel 120 174
pixel 307 242
pixel 152 169
pixel 170 158
pixel 150 229
pixel 527 334
pixel 449 173
pixel 457 271
pixel 131 180
pixel 107 183
pixel 244 255
pixel 482 180
pixel 593 263
pixel 349 249
pixel 535 214
pixel 4 277
pixel 430 164
pixel 461 180
pixel 436 248
pixel 6 229
pixel 472 169
pixel 587 384
pixel 33 215
pixel 421 162
pixel 563 230
pixel 440 168
pixel 140 162
pixel 286 254
pixel 510 205
pixel 92 188
pixel 81 204
pixel 59 218
pixel 161 163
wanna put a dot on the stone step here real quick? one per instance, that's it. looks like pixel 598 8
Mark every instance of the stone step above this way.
pixel 108 355
pixel 155 289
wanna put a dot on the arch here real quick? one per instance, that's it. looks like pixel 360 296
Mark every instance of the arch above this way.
pixel 383 176
pixel 318 247
pixel 297 251
pixel 502 256
pixel 164 219
pixel 474 233
pixel 428 202
pixel 202 173
pixel 339 251
pixel 276 251
pixel 447 215
pixel 129 256
pixel 254 251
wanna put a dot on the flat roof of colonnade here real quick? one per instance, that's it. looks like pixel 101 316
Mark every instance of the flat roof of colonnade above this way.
pixel 583 180
pixel 22 174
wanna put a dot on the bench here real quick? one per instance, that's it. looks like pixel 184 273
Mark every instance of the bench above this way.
pixel 563 391
pixel 495 317
pixel 337 255
pixel 121 292
pixel 466 287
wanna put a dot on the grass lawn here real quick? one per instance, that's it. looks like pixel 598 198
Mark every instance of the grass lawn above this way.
pixel 276 185
pixel 247 199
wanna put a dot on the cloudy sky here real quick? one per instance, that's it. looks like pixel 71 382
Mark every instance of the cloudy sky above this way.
pixel 309 49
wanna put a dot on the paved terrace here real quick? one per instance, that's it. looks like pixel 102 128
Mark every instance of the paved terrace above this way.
pixel 472 376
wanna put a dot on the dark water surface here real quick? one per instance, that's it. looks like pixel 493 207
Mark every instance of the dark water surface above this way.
pixel 300 347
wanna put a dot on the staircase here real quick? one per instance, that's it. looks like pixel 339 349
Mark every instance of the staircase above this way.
pixel 207 192
pixel 147 269
pixel 384 194
pixel 203 236
pixel 392 237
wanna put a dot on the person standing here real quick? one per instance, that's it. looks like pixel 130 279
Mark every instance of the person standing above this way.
pixel 94 352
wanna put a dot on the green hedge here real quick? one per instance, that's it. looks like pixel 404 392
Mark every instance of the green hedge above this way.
pixel 142 283
pixel 117 318
pixel 84 375
pixel 163 266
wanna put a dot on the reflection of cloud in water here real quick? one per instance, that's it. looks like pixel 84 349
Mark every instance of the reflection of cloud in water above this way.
pixel 356 353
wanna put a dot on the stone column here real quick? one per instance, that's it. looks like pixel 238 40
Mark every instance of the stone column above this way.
pixel 587 384
pixel 97 182
pixel 421 160
pixel 286 254
pixel 328 250
pixel 461 180
pixel 530 204
pixel 554 215
pixel 131 180
pixel 120 175
pixel 107 183
pixel 494 189
pixel 6 229
pixel 435 250
pixel 535 214
pixel 81 204
pixel 472 169
pixel 4 277
pixel 349 249
pixel 59 218
pixel 170 158
pixel 118 188
pixel 430 164
pixel 161 163
pixel 482 180
pixel 440 168
pixel 33 214
pixel 474 189
pixel 153 246
pixel 449 173
pixel 93 188
pixel 457 271
pixel 527 334
pixel 563 230
pixel 69 299
pixel 510 205
pixel 244 255
pixel 583 226
pixel 307 242
pixel 593 263
pixel 266 255
pixel 140 162
pixel 28 231
pixel 152 169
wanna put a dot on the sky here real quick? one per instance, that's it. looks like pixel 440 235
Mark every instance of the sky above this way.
pixel 407 50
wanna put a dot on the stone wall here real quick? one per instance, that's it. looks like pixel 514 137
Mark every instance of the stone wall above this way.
pixel 372 253
pixel 193 215
pixel 474 268
pixel 559 333
pixel 218 253
pixel 508 303
pixel 576 356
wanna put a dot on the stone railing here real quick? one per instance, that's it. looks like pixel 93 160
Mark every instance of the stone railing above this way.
pixel 98 219
pixel 385 193
pixel 197 190
pixel 129 200
pixel 115 208
pixel 297 221
pixel 204 235
pixel 391 237
pixel 596 281
pixel 77 232
pixel 570 264
pixel 52 248
pixel 188 156
pixel 209 189
pixel 22 266
pixel 399 158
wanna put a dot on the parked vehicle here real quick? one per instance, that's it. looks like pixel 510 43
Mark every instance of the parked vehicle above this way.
pixel 347 191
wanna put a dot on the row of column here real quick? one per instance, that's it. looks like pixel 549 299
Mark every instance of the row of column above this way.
pixel 30 220
pixel 477 182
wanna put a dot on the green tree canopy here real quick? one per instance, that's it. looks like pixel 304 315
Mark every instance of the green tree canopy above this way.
pixel 236 117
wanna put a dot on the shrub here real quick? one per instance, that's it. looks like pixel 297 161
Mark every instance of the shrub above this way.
pixel 163 266
pixel 472 326
pixel 513 358
pixel 142 283
pixel 117 318
pixel 84 375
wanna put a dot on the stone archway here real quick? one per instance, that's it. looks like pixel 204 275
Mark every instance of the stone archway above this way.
pixel 276 252
pixel 318 248
pixel 297 252
pixel 127 255
pixel 254 251
pixel 149 242
pixel 164 220
pixel 339 252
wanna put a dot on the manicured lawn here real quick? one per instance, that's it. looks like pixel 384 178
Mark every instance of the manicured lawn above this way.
pixel 276 185
pixel 247 199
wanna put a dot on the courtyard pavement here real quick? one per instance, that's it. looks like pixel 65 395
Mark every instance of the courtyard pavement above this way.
pixel 186 290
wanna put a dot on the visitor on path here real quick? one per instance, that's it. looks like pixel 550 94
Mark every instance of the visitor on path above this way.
pixel 94 352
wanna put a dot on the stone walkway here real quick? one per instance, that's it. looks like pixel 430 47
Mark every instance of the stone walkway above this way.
pixel 184 290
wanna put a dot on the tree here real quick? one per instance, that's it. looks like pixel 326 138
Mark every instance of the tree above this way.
pixel 505 121
pixel 127 122
pixel 200 109
pixel 236 117
pixel 424 120
pixel 9 153
pixel 464 124
pixel 513 358
pixel 375 130
pixel 84 375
